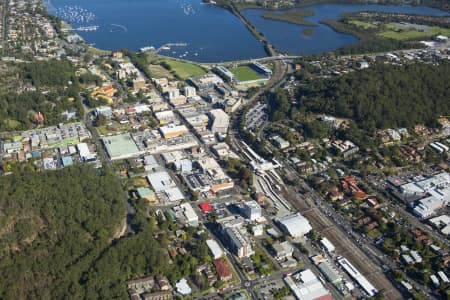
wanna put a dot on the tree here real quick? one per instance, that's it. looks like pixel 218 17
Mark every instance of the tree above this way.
pixel 101 120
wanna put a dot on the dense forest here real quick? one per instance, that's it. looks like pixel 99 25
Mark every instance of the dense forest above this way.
pixel 55 89
pixel 382 96
pixel 56 238
pixel 18 111
pixel 49 73
pixel 53 225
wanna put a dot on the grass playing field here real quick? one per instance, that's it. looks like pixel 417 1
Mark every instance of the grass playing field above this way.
pixel 184 70
pixel 245 73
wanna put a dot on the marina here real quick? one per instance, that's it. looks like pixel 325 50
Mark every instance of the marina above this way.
pixel 75 14
pixel 87 28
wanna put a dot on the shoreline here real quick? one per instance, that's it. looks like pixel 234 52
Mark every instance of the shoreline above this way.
pixel 237 9
pixel 308 3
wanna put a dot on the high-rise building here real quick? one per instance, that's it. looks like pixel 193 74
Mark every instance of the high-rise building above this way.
pixel 252 210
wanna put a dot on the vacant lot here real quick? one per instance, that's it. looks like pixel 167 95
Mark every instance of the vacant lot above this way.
pixel 245 73
pixel 159 72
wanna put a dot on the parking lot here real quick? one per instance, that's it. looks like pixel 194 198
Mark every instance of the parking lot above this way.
pixel 256 116
pixel 266 289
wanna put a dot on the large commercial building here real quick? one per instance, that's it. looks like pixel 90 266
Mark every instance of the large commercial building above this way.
pixel 295 225
pixel 306 286
pixel 219 121
pixel 205 82
pixel 120 146
pixel 161 181
pixel 428 194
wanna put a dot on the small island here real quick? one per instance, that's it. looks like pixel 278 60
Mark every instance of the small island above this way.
pixel 308 32
pixel 291 16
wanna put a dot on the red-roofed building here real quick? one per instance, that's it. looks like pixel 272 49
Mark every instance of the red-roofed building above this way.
pixel 350 183
pixel 205 207
pixel 39 118
pixel 373 202
pixel 130 110
pixel 107 88
pixel 223 269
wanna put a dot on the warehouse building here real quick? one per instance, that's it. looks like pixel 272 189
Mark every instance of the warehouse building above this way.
pixel 295 225
pixel 120 146
pixel 306 286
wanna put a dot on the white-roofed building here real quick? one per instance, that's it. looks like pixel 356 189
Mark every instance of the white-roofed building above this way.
pixel 171 131
pixel 327 244
pixel 165 116
pixel 214 248
pixel 173 194
pixel 189 214
pixel 295 225
pixel 183 287
pixel 252 210
pixel 161 181
pixel 426 207
pixel 442 222
pixel 358 277
pixel 85 153
pixel 416 256
pixel 443 277
pixel 306 286
pixel 434 280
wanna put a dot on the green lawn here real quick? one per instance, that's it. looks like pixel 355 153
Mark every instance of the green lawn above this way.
pixel 363 25
pixel 12 124
pixel 184 70
pixel 245 73
pixel 96 51
pixel 374 233
pixel 401 34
